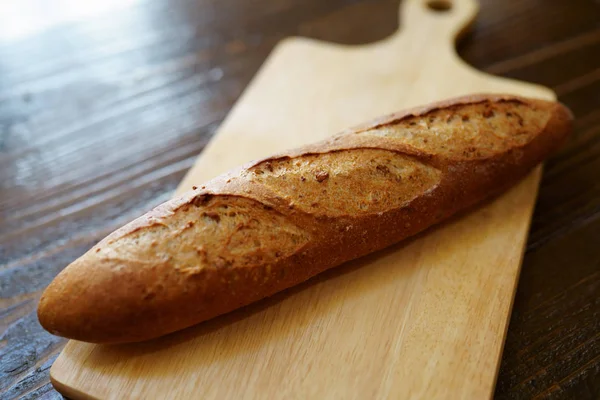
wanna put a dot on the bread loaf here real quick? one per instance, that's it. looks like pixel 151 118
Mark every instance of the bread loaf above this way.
pixel 274 223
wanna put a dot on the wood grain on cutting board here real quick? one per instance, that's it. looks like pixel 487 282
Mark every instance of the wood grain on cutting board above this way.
pixel 424 319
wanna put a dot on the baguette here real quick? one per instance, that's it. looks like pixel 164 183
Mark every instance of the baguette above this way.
pixel 274 223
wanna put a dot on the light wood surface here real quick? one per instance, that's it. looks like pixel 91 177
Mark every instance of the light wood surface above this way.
pixel 424 319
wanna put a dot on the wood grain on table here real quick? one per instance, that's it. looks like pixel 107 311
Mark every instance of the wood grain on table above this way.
pixel 102 110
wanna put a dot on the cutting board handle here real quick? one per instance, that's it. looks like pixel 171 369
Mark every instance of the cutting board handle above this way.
pixel 449 18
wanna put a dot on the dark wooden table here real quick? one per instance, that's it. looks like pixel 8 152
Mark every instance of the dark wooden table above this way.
pixel 106 104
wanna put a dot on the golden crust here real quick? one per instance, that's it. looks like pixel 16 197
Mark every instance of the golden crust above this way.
pixel 276 222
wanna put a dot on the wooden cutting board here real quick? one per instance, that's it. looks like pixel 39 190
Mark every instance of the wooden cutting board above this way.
pixel 425 319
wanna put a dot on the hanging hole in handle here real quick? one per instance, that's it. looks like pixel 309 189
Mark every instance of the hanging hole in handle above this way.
pixel 439 6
